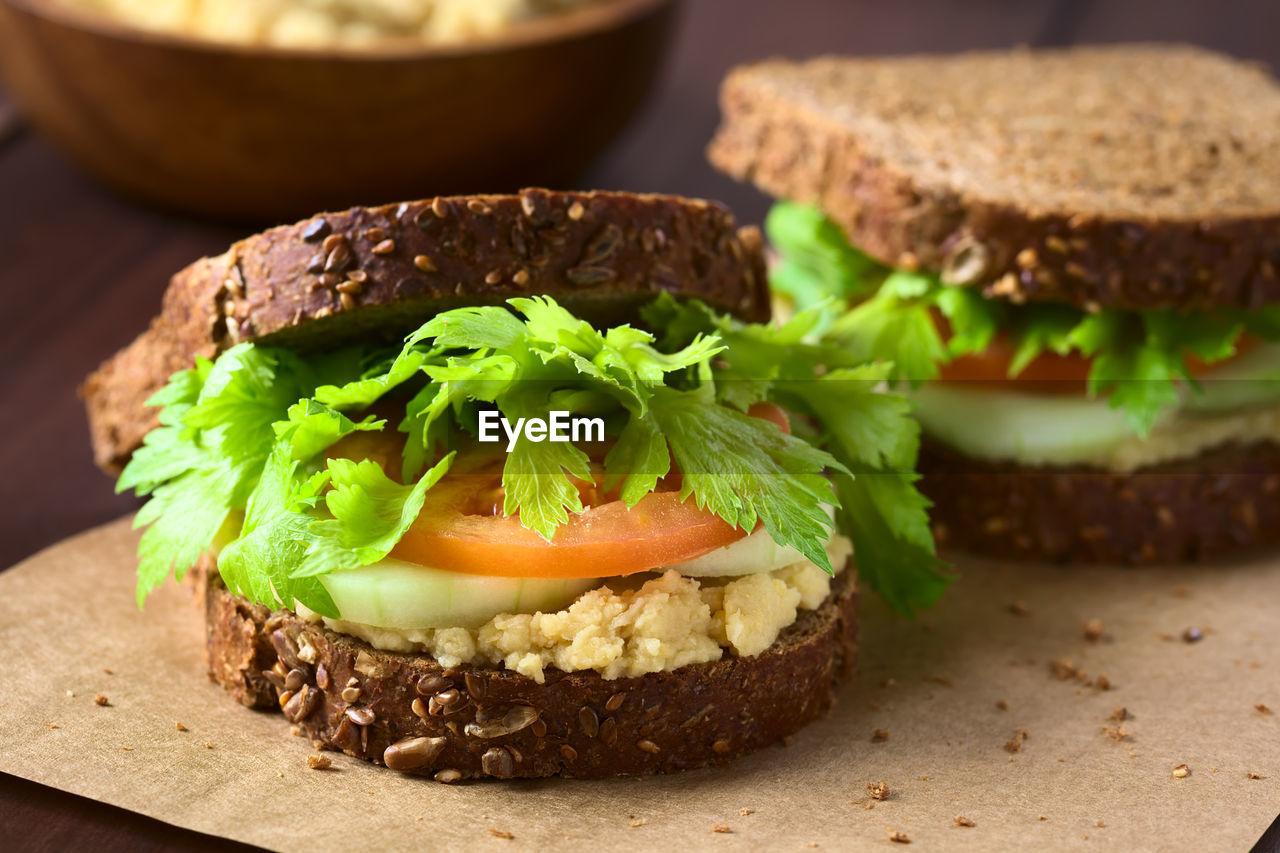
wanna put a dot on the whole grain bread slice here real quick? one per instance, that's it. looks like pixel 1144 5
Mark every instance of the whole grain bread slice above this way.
pixel 1223 503
pixel 1131 176
pixel 382 271
pixel 408 712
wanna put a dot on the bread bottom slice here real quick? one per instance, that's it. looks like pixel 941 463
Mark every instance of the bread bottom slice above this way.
pixel 1223 502
pixel 412 714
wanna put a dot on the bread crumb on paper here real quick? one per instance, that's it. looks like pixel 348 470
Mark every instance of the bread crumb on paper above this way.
pixel 1181 771
pixel 1062 669
pixel 1002 705
pixel 1192 635
pixel 1015 744
pixel 1262 709
pixel 899 837
pixel 101 700
pixel 636 823
pixel 52 725
pixel 179 727
pixel 878 790
pixel 1117 733
pixel 500 833
pixel 1092 630
pixel 879 735
pixel 721 828
pixel 1252 775
pixel 1120 714
pixel 319 762
pixel 961 820
pixel 746 811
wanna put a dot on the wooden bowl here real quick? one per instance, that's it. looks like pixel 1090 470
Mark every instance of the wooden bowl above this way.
pixel 271 133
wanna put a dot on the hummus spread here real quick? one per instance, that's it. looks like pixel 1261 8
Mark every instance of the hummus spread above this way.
pixel 621 630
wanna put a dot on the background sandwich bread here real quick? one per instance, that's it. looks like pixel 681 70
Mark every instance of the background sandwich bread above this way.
pixel 1110 181
pixel 1128 176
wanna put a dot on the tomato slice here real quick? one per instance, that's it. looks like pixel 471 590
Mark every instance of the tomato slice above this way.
pixel 461 527
pixel 1049 372
pixel 602 541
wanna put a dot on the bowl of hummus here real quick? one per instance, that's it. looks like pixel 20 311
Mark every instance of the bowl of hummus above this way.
pixel 260 109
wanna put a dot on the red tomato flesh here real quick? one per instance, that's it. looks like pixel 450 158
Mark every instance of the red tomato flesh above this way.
pixel 461 527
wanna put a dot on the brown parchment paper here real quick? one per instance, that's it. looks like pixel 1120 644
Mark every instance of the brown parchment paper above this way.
pixel 933 684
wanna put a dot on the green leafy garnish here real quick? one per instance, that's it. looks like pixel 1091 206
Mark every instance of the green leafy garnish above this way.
pixel 246 441
pixel 869 433
pixel 1138 359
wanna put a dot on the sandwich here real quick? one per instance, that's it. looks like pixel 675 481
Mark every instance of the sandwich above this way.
pixel 1072 259
pixel 514 486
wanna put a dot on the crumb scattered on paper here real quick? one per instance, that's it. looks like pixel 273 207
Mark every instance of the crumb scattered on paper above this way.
pixel 1092 629
pixel 319 762
pixel 1181 771
pixel 500 833
pixel 721 828
pixel 101 700
pixel 1062 669
pixel 878 790
pixel 179 727
pixel 1015 743
pixel 961 820
pixel 879 735
pixel 746 811
pixel 899 837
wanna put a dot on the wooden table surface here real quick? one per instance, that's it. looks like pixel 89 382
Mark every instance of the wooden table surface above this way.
pixel 81 271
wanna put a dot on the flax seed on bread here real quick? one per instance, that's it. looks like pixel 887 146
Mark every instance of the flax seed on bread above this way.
pixel 379 706
pixel 385 270
pixel 1127 176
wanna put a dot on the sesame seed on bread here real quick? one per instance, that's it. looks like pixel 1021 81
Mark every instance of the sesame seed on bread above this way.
pixel 380 272
pixel 408 712
pixel 1127 176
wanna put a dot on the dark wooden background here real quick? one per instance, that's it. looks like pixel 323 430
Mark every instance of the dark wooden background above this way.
pixel 81 272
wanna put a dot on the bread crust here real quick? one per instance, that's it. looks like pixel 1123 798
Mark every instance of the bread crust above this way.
pixel 382 271
pixel 902 203
pixel 491 722
pixel 1221 503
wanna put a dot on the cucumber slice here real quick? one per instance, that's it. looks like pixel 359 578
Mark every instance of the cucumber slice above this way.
pixel 1251 380
pixel 1032 428
pixel 397 594
pixel 751 555
pixel 1042 429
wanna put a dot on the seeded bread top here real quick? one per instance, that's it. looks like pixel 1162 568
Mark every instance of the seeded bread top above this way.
pixel 1129 175
pixel 380 272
